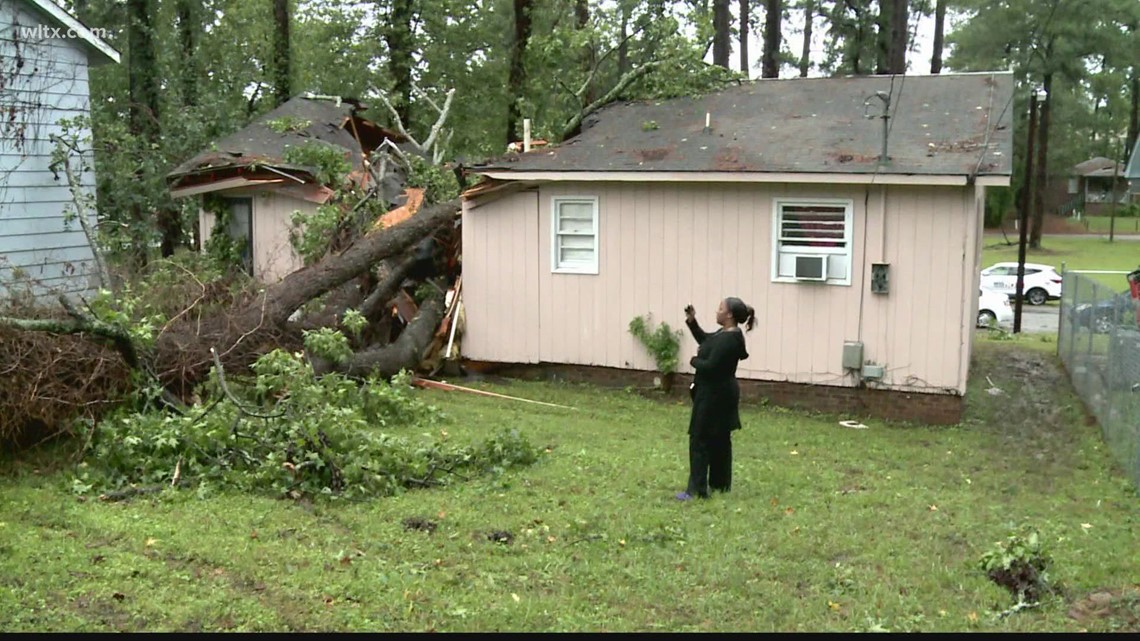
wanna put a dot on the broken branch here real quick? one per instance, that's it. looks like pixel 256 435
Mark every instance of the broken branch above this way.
pixel 77 198
pixel 434 135
pixel 626 80
pixel 594 70
pixel 395 116
pixel 230 395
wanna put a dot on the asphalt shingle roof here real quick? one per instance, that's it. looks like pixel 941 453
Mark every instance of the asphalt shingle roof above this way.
pixel 949 124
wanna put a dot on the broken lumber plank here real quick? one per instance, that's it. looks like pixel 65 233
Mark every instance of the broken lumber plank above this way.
pixel 448 387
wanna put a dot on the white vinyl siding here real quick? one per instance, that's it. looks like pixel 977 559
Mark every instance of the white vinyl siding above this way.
pixel 574 235
pixel 812 228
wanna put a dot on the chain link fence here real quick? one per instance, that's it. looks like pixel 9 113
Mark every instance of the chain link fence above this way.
pixel 1099 343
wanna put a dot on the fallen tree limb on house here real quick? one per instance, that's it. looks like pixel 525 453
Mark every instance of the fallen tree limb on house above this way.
pixel 249 331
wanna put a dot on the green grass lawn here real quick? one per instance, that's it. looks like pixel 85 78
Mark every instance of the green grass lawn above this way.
pixel 827 528
pixel 1100 224
pixel 1076 252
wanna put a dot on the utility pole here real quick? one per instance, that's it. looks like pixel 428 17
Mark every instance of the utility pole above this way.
pixel 1112 191
pixel 1023 215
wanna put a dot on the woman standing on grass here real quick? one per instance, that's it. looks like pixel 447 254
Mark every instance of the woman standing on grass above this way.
pixel 716 397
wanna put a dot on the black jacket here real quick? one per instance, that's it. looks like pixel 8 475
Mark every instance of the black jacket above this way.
pixel 716 394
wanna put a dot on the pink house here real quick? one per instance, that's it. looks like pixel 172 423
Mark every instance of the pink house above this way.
pixel 247 176
pixel 863 270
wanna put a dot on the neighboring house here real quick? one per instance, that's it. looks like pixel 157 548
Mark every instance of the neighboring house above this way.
pixel 247 173
pixel 1090 187
pixel 1132 172
pixel 864 275
pixel 45 54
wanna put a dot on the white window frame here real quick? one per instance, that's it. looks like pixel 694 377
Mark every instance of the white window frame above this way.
pixel 847 254
pixel 580 268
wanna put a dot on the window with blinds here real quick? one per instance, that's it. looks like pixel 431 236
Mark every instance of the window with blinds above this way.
pixel 574 239
pixel 810 236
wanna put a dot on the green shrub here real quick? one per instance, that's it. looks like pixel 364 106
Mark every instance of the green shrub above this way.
pixel 663 343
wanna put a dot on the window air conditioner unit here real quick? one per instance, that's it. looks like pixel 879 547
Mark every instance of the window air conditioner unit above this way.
pixel 813 267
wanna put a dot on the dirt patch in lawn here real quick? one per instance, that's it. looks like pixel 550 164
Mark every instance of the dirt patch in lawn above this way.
pixel 1115 610
pixel 1024 396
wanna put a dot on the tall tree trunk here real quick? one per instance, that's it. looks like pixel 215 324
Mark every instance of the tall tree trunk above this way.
pixel 581 13
pixel 281 58
pixel 589 54
pixel 187 30
pixel 517 75
pixel 805 55
pixel 883 36
pixel 1041 167
pixel 939 28
pixel 1133 115
pixel 623 44
pixel 398 38
pixel 744 28
pixel 142 82
pixel 896 59
pixel 861 38
pixel 651 38
pixel 722 42
pixel 770 65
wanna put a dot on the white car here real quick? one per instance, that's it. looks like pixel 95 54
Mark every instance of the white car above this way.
pixel 1042 282
pixel 994 309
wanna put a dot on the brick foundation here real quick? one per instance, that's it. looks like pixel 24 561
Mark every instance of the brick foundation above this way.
pixel 850 402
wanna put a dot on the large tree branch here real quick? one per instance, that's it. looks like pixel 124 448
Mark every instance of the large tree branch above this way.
pixel 387 288
pixel 80 323
pixel 594 71
pixel 405 353
pixel 628 79
pixel 296 289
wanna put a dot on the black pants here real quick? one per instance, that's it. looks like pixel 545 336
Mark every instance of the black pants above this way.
pixel 710 464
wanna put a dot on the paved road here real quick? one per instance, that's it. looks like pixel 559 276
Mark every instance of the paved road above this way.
pixel 1040 319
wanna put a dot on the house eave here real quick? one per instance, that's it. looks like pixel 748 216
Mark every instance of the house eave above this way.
pixel 67 21
pixel 744 177
pixel 223 185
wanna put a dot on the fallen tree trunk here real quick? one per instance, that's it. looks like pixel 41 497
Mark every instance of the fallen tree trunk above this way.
pixel 285 297
pixel 258 325
pixel 405 353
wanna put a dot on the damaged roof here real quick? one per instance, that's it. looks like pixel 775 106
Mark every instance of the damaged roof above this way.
pixel 311 119
pixel 948 124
